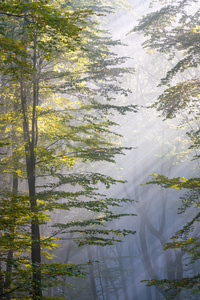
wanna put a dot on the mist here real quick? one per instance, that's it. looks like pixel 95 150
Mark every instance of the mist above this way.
pixel 127 129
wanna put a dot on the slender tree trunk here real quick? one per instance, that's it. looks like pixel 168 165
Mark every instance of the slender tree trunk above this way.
pixel 29 140
pixel 103 291
pixel 92 278
pixel 9 262
pixel 1 281
pixel 108 272
pixel 121 270
pixel 69 248
pixel 15 181
pixel 145 254
pixel 134 292
pixel 35 241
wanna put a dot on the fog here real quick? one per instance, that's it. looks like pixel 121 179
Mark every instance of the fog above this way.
pixel 153 145
pixel 158 147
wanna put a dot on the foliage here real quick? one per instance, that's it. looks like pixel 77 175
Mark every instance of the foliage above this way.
pixel 184 239
pixel 173 31
pixel 56 81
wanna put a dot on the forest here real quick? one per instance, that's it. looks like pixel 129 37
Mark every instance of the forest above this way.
pixel 99 149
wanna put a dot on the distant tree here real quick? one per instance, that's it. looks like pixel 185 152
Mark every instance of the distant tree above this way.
pixel 174 30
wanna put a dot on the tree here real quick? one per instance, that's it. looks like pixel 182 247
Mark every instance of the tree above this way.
pixel 174 30
pixel 53 133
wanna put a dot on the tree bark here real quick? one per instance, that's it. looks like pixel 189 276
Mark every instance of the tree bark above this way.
pixel 9 261
pixel 29 141
pixel 15 182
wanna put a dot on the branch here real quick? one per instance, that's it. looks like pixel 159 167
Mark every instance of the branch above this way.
pixel 17 16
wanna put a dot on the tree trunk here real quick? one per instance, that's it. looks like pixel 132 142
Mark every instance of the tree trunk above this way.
pixel 9 262
pixel 15 181
pixel 29 141
pixel 109 273
pixel 35 230
pixel 145 254
pixel 1 281
pixel 121 270
pixel 92 278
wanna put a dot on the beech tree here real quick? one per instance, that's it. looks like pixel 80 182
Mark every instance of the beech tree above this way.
pixel 51 121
